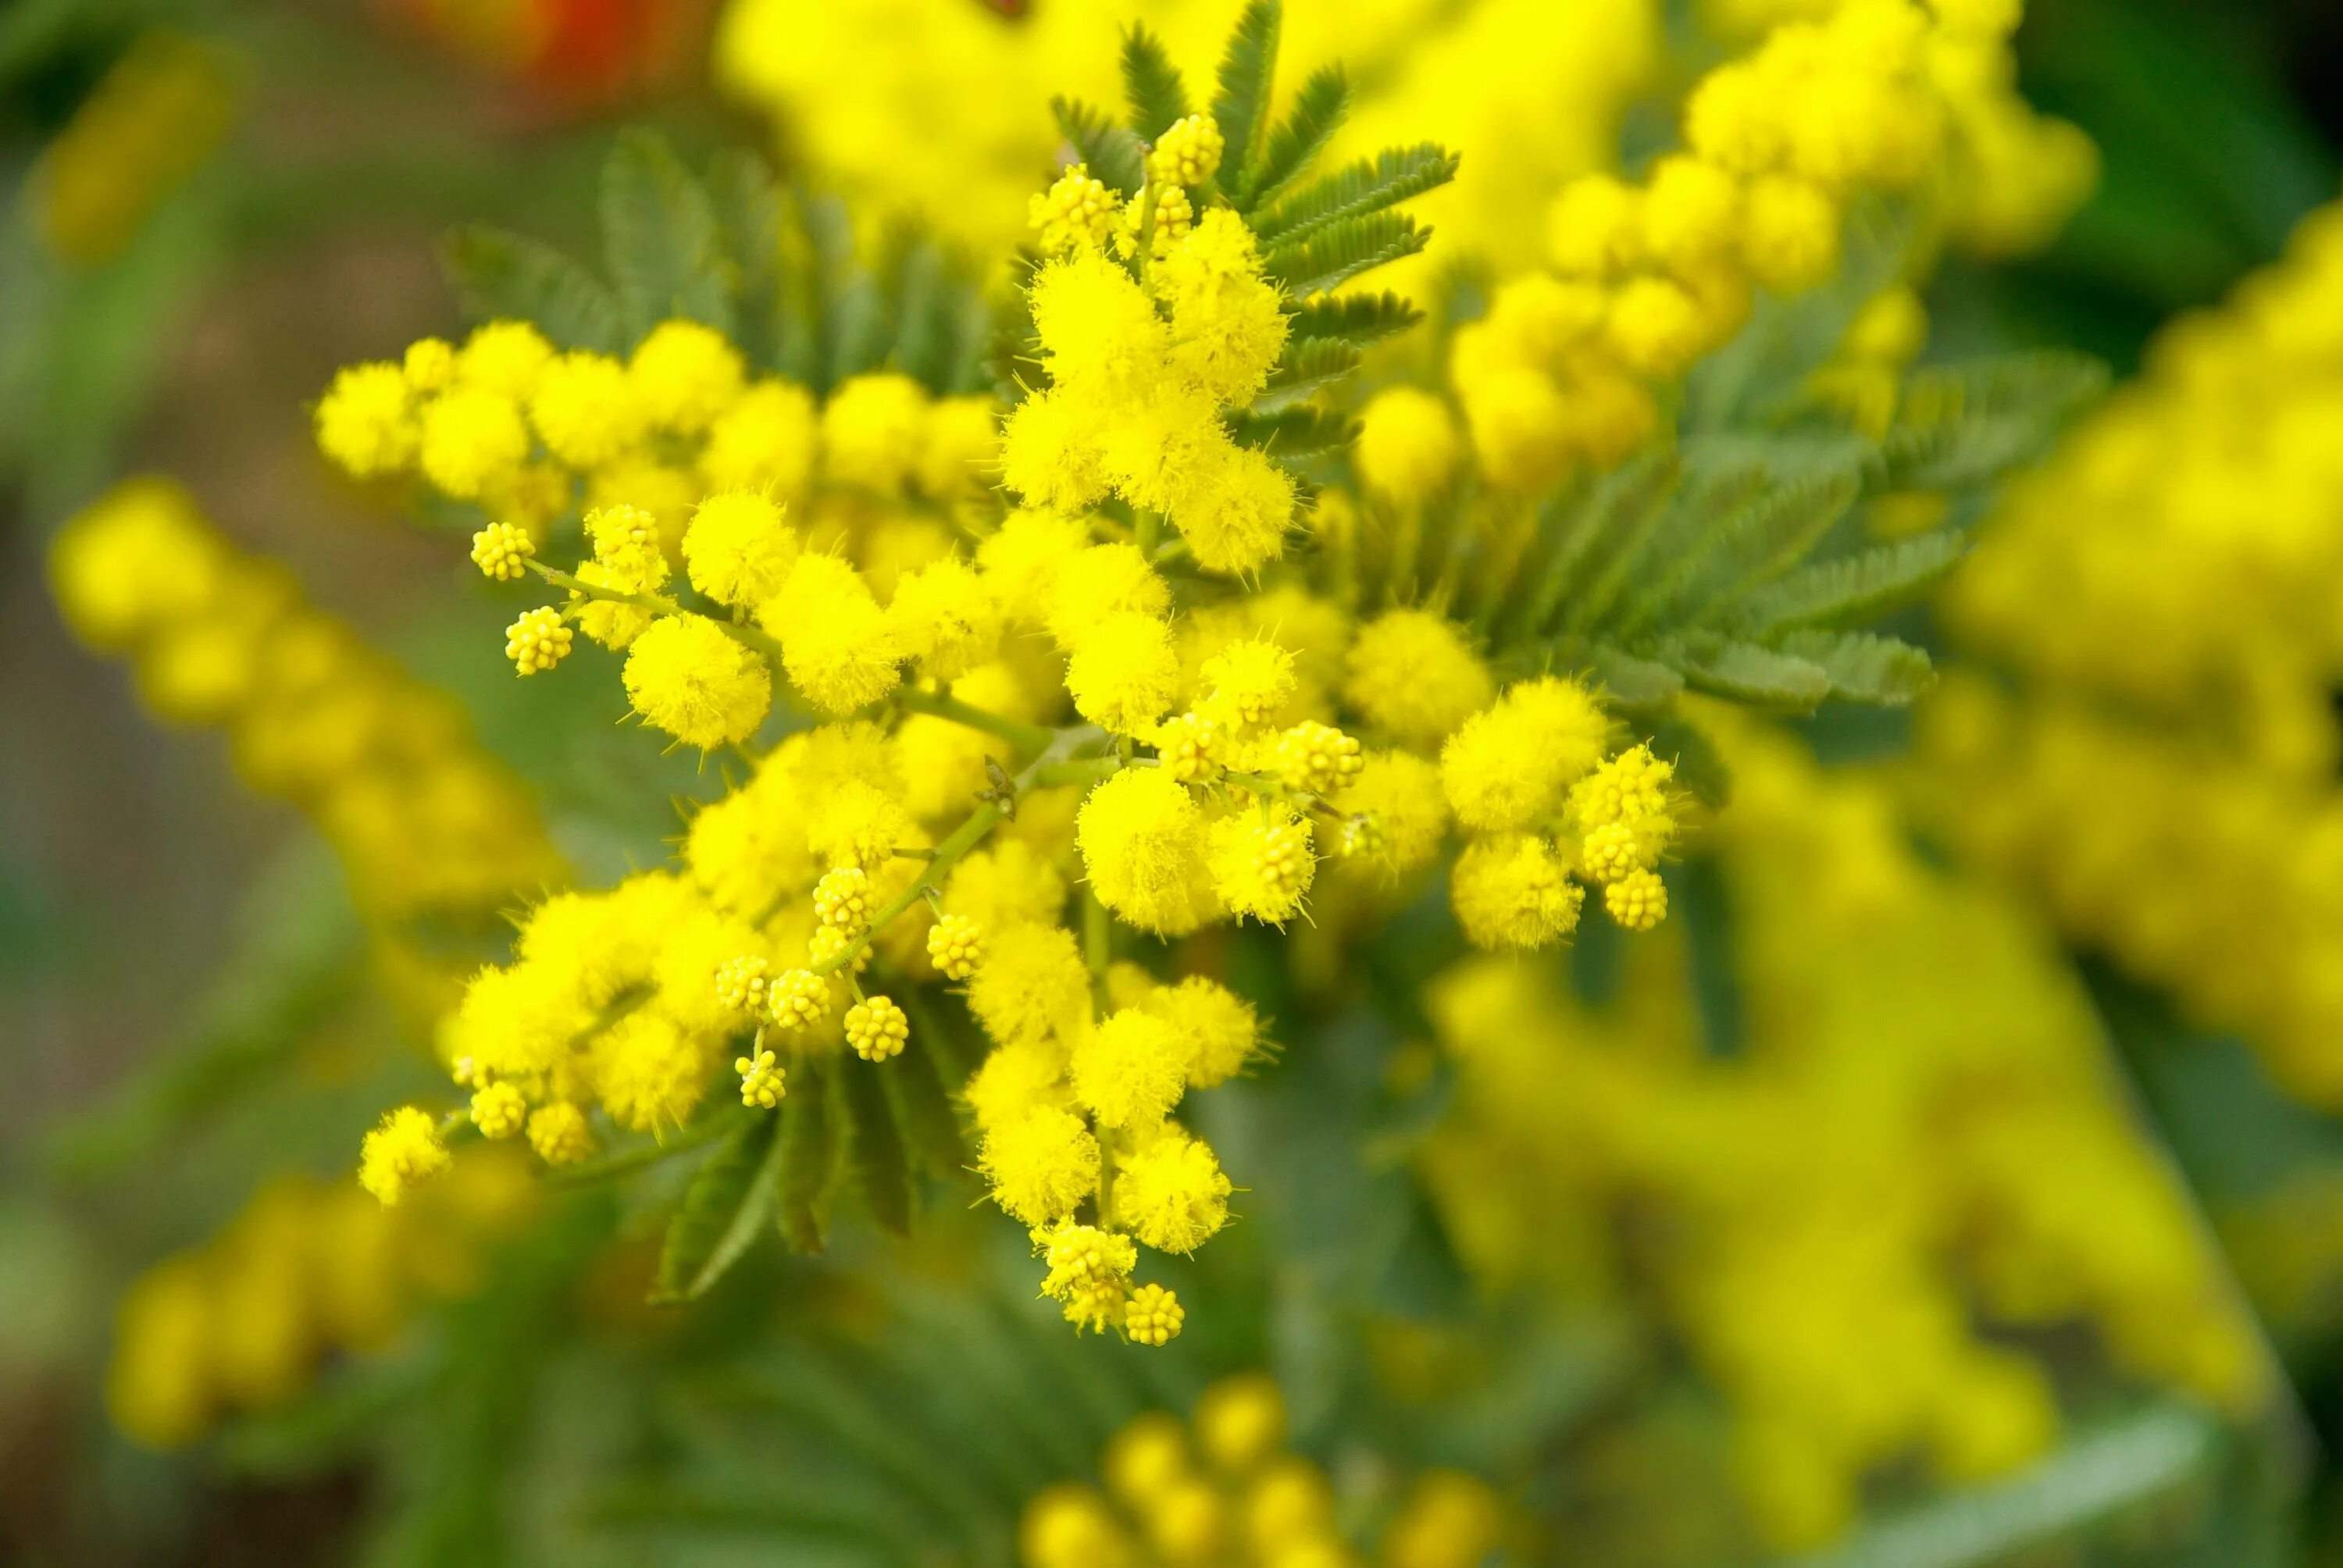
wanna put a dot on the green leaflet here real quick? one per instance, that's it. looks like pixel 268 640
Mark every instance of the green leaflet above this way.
pixel 724 1209
pixel 809 1153
pixel 1306 368
pixel 1318 112
pixel 1334 255
pixel 502 275
pixel 873 1146
pixel 1113 153
pixel 1362 320
pixel 1152 88
pixel 661 238
pixel 1248 69
pixel 1859 587
pixel 1393 176
pixel 1748 673
pixel 1294 432
pixel 1864 667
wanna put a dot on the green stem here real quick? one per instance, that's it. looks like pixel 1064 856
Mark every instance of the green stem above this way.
pixel 1146 527
pixel 747 636
pixel 1097 946
pixel 705 1130
pixel 1023 736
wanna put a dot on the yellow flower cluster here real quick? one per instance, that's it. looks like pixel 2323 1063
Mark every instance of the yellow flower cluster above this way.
pixel 307 1270
pixel 2162 774
pixel 1878 95
pixel 1850 1299
pixel 530 433
pixel 899 127
pixel 424 820
pixel 149 123
pixel 1140 370
pixel 1223 1488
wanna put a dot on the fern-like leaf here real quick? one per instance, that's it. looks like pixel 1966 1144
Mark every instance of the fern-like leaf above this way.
pixel 1111 151
pixel 874 1148
pixel 665 247
pixel 1294 432
pixel 1248 70
pixel 1308 368
pixel 1859 587
pixel 1318 112
pixel 724 1211
pixel 809 1142
pixel 1393 176
pixel 1863 666
pixel 1749 673
pixel 1362 320
pixel 1961 426
pixel 1332 257
pixel 498 274
pixel 1152 88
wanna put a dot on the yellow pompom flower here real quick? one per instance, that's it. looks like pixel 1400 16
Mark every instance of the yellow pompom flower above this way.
pixel 1234 509
pixel 1594 228
pixel 764 1082
pixel 1130 1071
pixel 1407 447
pixel 1511 890
pixel 506 358
pixel 829 947
pixel 1141 836
pixel 764 442
pixel 1400 794
pixel 1240 1422
pixel 428 364
pixel 1124 674
pixel 1656 328
pixel 1190 748
pixel 1638 900
pixel 956 946
pixel 738 548
pixel 365 422
pixel 538 640
pixel 499 550
pixel 1262 862
pixel 835 641
pixel 1153 1316
pixel 1013 1080
pixel 1227 321
pixel 1041 1165
pixel 560 1134
pixel 1099 327
pixel 686 677
pixel 1218 1032
pixel 1091 585
pixel 1188 153
pixel 1172 1192
pixel 683 375
pixel 960 452
pixel 1077 209
pixel 1508 766
pixel 1790 234
pixel 473 439
pixel 1051 451
pixel 613 625
pixel 1692 214
pixel 1081 1259
pixel 499 1109
pixel 1317 759
pixel 945 619
pixel 877 1028
pixel 873 432
pixel 844 897
pixel 1522 427
pixel 1250 680
pixel 798 998
pixel 585 411
pixel 1032 985
pixel 1630 788
pixel 404 1150
pixel 1412 674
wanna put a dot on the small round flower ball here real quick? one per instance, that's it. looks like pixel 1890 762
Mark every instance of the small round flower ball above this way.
pixel 1407 447
pixel 1512 891
pixel 1594 228
pixel 685 676
pixel 1638 900
pixel 1131 1070
pixel 560 1134
pixel 1217 1029
pixel 1733 119
pixel 1041 1165
pixel 428 364
pixel 1519 423
pixel 1032 985
pixel 1692 212
pixel 1509 764
pixel 1790 234
pixel 1153 1316
pixel 683 375
pixel 961 450
pixel 1411 674
pixel 836 643
pixel 1262 862
pixel 945 619
pixel 365 421
pixel 1140 834
pixel 1094 584
pixel 1125 674
pixel 404 1150
pixel 765 441
pixel 1401 793
pixel 1240 1422
pixel 739 550
pixel 505 356
pixel 1234 508
pixel 584 409
pixel 874 432
pixel 1172 1192
pixel 1097 326
pixel 473 439
pixel 1656 328
pixel 1013 1080
pixel 877 1028
pixel 1052 451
